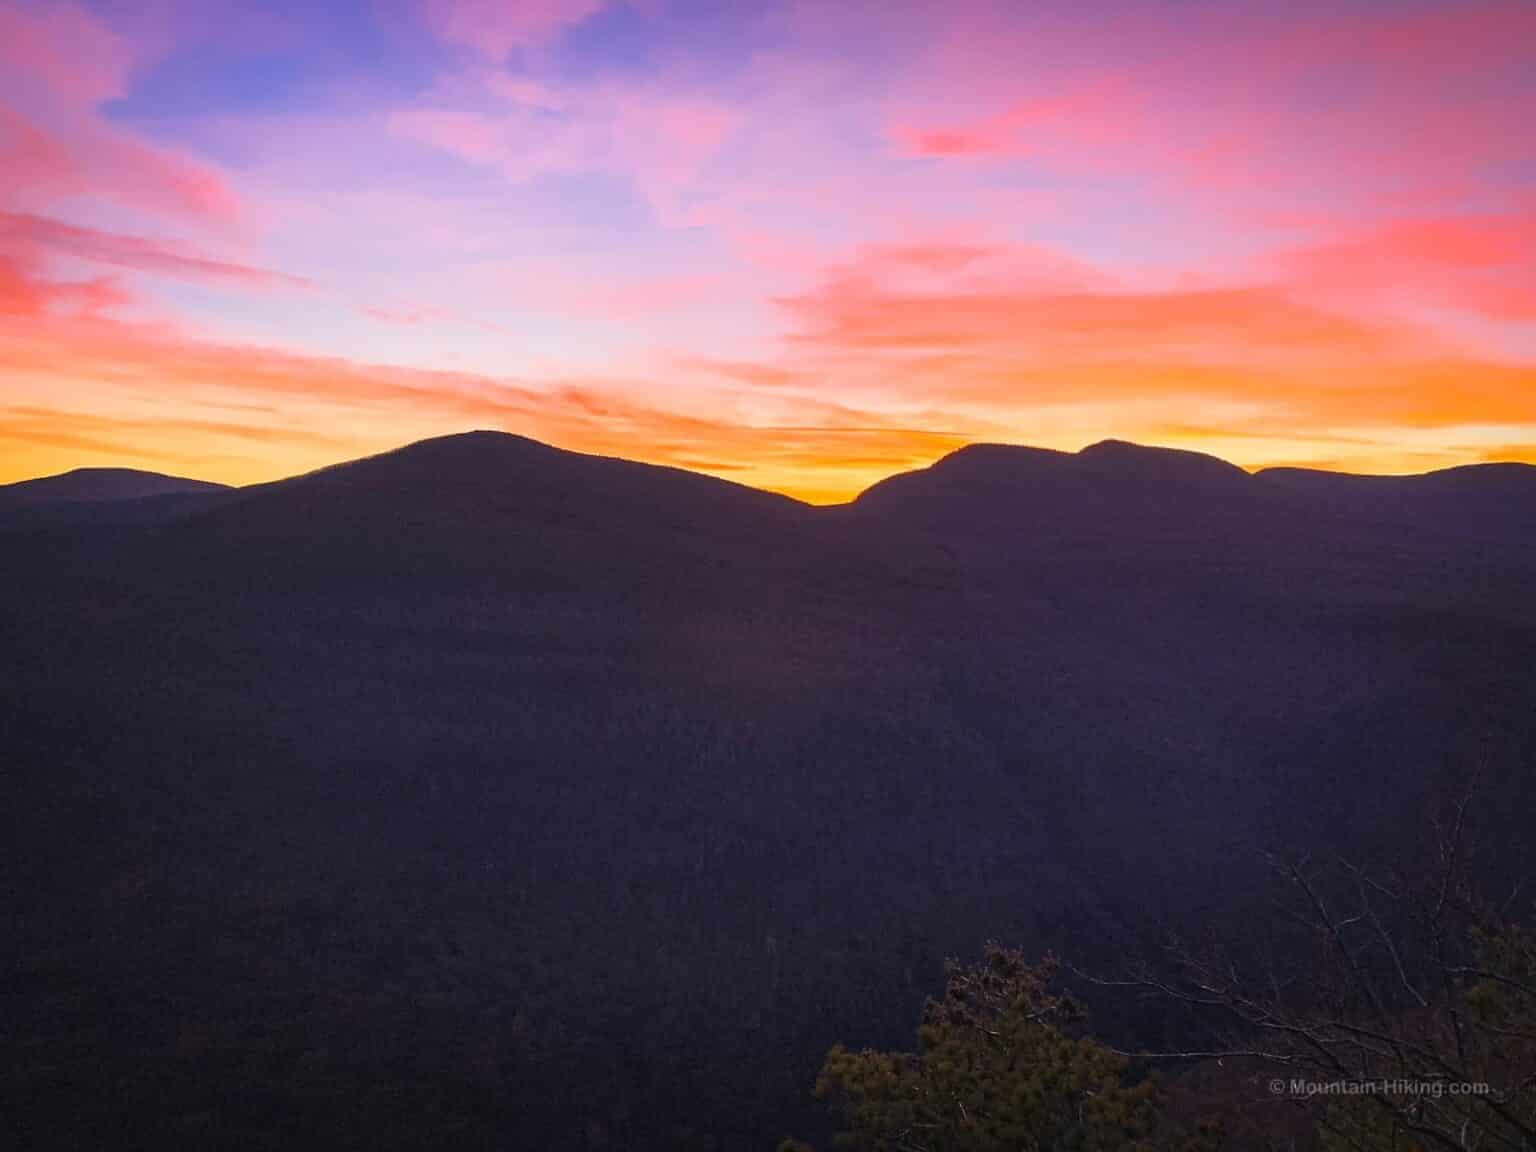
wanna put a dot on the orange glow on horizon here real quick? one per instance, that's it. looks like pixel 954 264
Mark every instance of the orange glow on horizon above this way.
pixel 805 252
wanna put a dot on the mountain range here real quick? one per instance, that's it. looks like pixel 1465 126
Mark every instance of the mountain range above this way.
pixel 487 793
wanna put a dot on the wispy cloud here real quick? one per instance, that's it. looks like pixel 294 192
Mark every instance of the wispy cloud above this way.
pixel 497 28
pixel 21 232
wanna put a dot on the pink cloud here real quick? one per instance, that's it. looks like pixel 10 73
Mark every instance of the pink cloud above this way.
pixel 20 293
pixel 405 317
pixel 119 166
pixel 775 253
pixel 1096 115
pixel 134 253
pixel 27 293
pixel 938 270
pixel 1400 108
pixel 616 297
pixel 520 142
pixel 1481 264
pixel 34 161
pixel 466 135
pixel 55 141
pixel 665 142
pixel 62 48
pixel 659 140
pixel 684 130
pixel 849 315
pixel 497 28
pixel 1408 46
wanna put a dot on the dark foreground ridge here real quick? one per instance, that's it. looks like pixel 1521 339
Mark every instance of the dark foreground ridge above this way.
pixel 486 794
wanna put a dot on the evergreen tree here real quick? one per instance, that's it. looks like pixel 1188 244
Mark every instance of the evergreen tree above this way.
pixel 1001 1065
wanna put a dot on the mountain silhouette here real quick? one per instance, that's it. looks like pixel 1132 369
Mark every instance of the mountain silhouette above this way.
pixel 512 516
pixel 101 485
pixel 1494 501
pixel 1106 465
pixel 1107 485
pixel 491 789
pixel 488 500
pixel 101 496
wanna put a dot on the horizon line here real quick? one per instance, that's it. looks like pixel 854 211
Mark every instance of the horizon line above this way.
pixel 1320 468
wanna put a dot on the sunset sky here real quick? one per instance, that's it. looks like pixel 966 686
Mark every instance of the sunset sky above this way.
pixel 802 245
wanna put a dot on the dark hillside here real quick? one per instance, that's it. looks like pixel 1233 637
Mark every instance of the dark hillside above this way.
pixel 488 794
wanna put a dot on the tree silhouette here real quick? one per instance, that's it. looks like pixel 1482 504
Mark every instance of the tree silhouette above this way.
pixel 1001 1064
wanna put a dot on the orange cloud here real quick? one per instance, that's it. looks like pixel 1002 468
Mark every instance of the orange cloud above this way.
pixel 1511 454
pixel 243 414
pixel 1257 359
pixel 1196 324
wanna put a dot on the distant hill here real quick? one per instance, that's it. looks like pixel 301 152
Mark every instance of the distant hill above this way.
pixel 101 485
pixel 1497 501
pixel 101 496
pixel 489 794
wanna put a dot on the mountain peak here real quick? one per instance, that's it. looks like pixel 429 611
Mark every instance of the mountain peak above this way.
pixel 1162 463
pixel 476 438
pixel 998 461
pixel 479 444
pixel 1113 445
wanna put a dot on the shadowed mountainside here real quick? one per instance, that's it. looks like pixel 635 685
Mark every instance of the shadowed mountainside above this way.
pixel 488 792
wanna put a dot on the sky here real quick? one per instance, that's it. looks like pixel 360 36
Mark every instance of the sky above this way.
pixel 800 245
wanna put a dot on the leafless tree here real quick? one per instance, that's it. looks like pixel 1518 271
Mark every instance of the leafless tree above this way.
pixel 1403 1012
